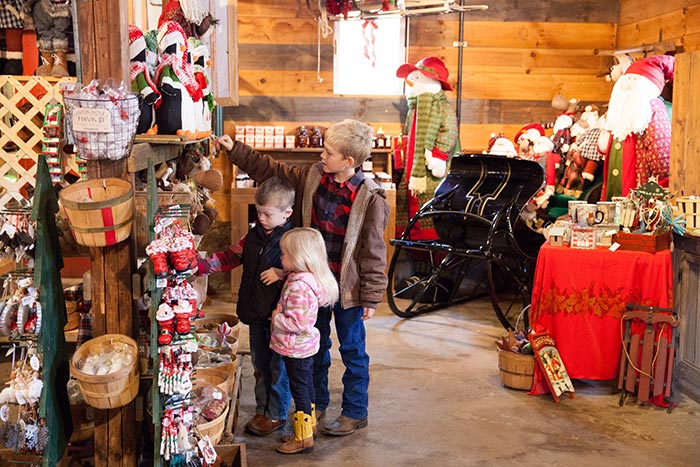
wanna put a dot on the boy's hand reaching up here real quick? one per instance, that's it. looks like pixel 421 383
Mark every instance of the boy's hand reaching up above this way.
pixel 271 276
pixel 224 142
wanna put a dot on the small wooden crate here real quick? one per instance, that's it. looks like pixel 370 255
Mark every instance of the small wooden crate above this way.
pixel 643 242
pixel 516 369
pixel 231 455
pixel 690 206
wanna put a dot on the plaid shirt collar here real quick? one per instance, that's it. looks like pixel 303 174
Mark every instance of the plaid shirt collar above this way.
pixel 352 184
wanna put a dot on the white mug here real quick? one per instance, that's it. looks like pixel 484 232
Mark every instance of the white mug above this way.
pixel 588 215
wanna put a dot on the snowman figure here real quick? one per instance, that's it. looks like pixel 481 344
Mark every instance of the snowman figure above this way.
pixel 431 126
pixel 201 62
pixel 142 80
pixel 176 82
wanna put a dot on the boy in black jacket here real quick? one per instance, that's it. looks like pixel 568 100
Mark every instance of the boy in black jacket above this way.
pixel 260 254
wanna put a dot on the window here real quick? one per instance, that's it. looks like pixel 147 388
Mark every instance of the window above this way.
pixel 367 54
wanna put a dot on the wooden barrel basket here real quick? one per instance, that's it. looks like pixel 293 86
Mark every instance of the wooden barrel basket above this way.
pixel 99 211
pixel 516 369
pixel 111 390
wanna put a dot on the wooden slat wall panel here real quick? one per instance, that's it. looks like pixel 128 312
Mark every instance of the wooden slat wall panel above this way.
pixel 520 54
pixel 632 11
pixel 678 22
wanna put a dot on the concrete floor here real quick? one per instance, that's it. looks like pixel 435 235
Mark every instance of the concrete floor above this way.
pixel 436 399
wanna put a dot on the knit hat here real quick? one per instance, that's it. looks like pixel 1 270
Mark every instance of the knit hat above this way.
pixel 170 33
pixel 432 67
pixel 137 43
pixel 657 69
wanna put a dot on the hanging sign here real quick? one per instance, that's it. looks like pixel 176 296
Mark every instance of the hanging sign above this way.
pixel 93 120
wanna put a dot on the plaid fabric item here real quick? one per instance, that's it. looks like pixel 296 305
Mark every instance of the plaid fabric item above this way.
pixel 85 326
pixel 11 14
pixel 332 202
pixel 588 144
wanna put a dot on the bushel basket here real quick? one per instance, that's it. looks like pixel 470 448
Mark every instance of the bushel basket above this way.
pixel 110 390
pixel 516 369
pixel 99 211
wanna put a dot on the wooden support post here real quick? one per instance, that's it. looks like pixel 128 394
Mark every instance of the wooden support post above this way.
pixel 103 38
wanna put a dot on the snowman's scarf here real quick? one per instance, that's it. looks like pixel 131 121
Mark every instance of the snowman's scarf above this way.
pixel 428 109
pixel 184 72
pixel 142 67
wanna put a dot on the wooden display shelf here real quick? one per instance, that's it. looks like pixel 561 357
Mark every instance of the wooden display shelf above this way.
pixel 297 156
pixel 242 198
pixel 158 148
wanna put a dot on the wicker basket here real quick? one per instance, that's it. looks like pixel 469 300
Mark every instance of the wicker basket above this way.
pixel 516 369
pixel 113 389
pixel 690 206
pixel 213 376
pixel 215 428
pixel 212 320
pixel 99 211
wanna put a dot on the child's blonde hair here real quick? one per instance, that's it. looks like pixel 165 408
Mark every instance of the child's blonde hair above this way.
pixel 352 139
pixel 307 252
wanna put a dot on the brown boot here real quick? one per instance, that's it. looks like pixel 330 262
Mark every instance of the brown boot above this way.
pixel 60 65
pixel 303 436
pixel 46 64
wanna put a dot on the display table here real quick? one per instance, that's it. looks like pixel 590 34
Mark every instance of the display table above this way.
pixel 579 296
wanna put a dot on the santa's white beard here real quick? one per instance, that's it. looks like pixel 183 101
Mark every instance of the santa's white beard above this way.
pixel 629 110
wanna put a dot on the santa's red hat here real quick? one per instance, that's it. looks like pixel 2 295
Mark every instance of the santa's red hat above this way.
pixel 432 67
pixel 137 42
pixel 657 69
pixel 531 131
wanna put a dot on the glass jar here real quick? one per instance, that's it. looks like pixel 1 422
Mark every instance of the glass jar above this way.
pixel 316 139
pixel 303 138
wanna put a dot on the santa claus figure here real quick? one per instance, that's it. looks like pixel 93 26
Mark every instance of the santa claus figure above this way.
pixel 431 126
pixel 639 122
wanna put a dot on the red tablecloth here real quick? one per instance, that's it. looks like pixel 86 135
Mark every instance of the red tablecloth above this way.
pixel 579 296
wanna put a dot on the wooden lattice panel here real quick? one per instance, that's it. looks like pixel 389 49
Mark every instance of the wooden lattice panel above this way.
pixel 23 100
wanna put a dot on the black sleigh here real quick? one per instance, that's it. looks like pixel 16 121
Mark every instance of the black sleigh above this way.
pixel 483 245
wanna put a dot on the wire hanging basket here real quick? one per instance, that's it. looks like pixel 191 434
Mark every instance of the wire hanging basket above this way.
pixel 103 127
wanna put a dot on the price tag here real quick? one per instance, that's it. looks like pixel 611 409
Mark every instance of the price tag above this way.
pixel 92 120
pixel 161 283
pixel 28 301
pixel 217 395
pixel 186 357
pixel 187 417
pixel 614 246
pixel 34 363
pixel 166 221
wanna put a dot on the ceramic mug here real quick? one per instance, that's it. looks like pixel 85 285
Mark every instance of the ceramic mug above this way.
pixel 588 215
pixel 609 210
pixel 572 208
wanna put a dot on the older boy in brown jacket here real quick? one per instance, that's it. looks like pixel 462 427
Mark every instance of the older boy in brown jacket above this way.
pixel 351 213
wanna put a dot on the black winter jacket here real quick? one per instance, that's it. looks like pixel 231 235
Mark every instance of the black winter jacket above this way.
pixel 260 252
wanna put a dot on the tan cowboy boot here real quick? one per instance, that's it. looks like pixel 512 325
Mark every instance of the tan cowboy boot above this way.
pixel 60 65
pixel 303 440
pixel 46 64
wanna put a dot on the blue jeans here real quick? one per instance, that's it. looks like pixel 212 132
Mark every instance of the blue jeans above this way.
pixel 300 372
pixel 351 336
pixel 272 396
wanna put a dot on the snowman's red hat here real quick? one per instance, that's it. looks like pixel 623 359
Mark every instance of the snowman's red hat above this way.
pixel 432 67
pixel 137 43
pixel 170 33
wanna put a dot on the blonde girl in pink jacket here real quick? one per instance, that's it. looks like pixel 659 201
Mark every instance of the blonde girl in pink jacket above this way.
pixel 310 284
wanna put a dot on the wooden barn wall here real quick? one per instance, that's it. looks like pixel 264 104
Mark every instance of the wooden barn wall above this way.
pixel 645 22
pixel 520 54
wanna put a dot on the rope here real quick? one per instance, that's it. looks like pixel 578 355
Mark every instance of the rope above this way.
pixel 653 360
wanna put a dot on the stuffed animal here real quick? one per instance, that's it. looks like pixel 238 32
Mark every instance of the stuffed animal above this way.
pixel 525 138
pixel 431 126
pixel 193 18
pixel 176 82
pixel 202 65
pixel 52 20
pixel 639 122
pixel 502 146
pixel 142 80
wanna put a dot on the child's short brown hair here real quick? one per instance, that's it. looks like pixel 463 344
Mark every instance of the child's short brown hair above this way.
pixel 352 139
pixel 275 192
